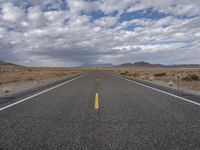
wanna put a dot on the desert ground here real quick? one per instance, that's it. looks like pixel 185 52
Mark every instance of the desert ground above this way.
pixel 15 79
pixel 189 79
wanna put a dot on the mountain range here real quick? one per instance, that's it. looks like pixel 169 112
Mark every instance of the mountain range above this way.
pixel 140 64
pixel 146 64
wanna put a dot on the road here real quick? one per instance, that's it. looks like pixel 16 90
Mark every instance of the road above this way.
pixel 100 111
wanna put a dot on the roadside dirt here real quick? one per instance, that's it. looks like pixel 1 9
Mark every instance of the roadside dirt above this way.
pixel 14 80
pixel 164 76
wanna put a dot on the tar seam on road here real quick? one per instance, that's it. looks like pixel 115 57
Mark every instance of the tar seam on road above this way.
pixel 22 100
pixel 155 89
pixel 96 105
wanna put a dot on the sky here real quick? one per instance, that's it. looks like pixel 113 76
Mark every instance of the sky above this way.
pixel 73 32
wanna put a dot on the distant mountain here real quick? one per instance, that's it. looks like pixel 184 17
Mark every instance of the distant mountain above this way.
pixel 141 64
pixel 88 65
pixel 185 66
pixel 7 64
pixel 145 64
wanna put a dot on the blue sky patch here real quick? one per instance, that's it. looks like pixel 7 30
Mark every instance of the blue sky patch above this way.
pixel 94 15
pixel 149 13
pixel 98 14
pixel 50 7
pixel 131 27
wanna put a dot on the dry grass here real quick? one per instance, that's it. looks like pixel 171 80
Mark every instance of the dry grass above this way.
pixel 10 75
pixel 168 75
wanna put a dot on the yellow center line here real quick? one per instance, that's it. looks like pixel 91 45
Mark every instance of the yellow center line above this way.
pixel 96 105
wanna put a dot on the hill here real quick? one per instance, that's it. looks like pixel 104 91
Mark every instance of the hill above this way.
pixel 149 65
pixel 7 64
pixel 141 64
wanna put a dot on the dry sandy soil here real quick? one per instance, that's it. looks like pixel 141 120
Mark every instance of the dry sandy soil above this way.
pixel 164 76
pixel 15 79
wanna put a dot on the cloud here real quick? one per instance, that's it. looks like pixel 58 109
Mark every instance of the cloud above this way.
pixel 68 33
pixel 34 13
pixel 11 13
pixel 106 21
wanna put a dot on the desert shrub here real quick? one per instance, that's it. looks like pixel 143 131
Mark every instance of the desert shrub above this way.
pixel 151 78
pixel 171 83
pixel 129 74
pixel 29 70
pixel 191 77
pixel 136 75
pixel 160 74
pixel 195 77
pixel 73 72
pixel 6 90
pixel 126 73
pixel 29 79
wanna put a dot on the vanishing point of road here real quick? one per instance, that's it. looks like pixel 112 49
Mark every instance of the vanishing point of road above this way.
pixel 100 111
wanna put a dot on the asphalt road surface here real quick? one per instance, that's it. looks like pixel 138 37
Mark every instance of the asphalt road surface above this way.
pixel 100 111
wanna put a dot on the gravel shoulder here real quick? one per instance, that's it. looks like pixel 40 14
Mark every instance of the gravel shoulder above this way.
pixel 165 84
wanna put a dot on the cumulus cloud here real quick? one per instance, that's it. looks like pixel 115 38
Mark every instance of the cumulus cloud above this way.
pixel 34 13
pixel 69 33
pixel 106 21
pixel 11 13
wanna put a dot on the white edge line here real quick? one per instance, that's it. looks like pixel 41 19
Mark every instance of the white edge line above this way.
pixel 22 100
pixel 176 96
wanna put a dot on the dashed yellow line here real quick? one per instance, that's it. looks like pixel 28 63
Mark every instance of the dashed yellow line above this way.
pixel 96 105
